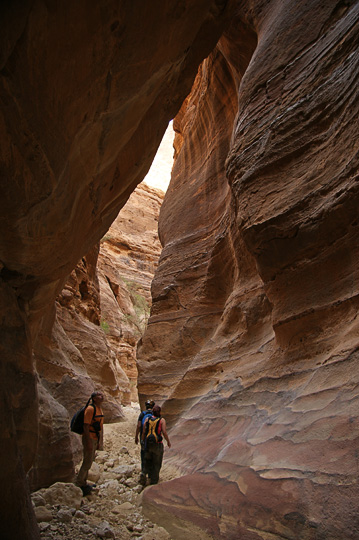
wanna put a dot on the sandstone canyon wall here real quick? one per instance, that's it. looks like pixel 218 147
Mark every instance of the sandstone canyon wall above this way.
pixel 128 258
pixel 254 331
pixel 253 335
pixel 87 91
pixel 90 342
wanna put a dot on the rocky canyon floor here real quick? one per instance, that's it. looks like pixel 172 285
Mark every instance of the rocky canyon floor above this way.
pixel 113 510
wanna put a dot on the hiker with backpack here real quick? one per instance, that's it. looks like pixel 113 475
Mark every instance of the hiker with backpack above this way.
pixel 92 438
pixel 154 429
pixel 149 404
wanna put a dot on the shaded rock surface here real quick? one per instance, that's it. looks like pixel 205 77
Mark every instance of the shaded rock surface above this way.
pixel 254 330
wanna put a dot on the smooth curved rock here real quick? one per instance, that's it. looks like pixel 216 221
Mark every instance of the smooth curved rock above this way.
pixel 254 332
pixel 86 94
pixel 256 290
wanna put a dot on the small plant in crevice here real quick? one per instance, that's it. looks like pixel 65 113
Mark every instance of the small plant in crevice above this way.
pixel 106 238
pixel 105 326
pixel 140 304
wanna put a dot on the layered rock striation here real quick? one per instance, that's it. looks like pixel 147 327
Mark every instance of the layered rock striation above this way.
pixel 256 291
pixel 128 258
pixel 99 317
pixel 86 94
pixel 252 344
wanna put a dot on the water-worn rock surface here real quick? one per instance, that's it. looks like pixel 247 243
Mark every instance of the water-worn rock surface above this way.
pixel 91 340
pixel 253 337
pixel 86 95
pixel 253 340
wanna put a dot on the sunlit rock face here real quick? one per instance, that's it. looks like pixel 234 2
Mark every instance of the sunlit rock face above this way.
pixel 128 258
pixel 252 345
pixel 86 93
pixel 73 358
pixel 99 317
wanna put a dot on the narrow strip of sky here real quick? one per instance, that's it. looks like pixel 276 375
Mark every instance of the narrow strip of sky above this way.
pixel 159 174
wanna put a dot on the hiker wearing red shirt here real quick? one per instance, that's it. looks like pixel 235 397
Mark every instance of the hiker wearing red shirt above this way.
pixel 92 439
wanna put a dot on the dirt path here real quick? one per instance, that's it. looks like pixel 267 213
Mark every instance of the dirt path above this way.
pixel 113 510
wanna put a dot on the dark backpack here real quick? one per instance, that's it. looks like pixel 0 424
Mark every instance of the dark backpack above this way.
pixel 153 431
pixel 77 421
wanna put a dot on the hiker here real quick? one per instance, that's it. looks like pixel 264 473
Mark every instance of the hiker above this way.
pixel 153 429
pixel 149 404
pixel 92 439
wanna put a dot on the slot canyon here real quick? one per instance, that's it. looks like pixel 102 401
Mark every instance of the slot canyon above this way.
pixel 252 340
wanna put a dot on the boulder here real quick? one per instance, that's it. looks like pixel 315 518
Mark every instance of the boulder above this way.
pixel 62 494
pixel 94 473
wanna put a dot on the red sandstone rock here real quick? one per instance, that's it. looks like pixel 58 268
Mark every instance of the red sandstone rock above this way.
pixel 100 315
pixel 258 374
pixel 86 94
pixel 256 296
pixel 128 258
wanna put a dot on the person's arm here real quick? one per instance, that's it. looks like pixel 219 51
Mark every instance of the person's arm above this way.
pixel 138 427
pixel 164 432
pixel 100 442
pixel 87 423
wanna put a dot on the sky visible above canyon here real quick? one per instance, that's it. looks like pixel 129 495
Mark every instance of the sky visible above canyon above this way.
pixel 159 174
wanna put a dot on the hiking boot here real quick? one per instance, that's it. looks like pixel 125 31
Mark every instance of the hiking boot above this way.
pixel 142 479
pixel 86 490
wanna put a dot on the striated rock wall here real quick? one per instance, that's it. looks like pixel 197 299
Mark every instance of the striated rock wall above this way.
pixel 86 94
pixel 254 331
pixel 127 261
pixel 99 317
pixel 255 302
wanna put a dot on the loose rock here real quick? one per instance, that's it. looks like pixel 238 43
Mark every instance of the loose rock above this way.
pixel 42 514
pixel 105 531
pixel 65 516
pixel 114 508
pixel 37 499
pixel 62 494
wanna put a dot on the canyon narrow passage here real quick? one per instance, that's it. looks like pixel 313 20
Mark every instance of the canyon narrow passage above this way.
pixel 233 302
pixel 114 508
